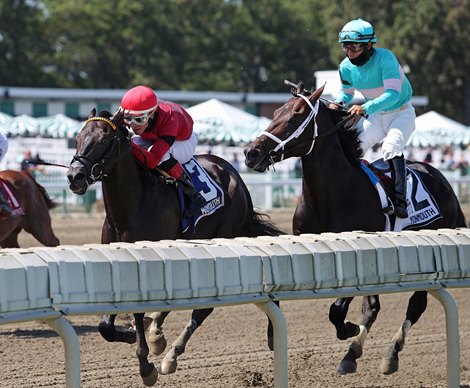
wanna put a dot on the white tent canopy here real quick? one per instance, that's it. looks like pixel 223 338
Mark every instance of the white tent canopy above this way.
pixel 217 121
pixel 59 126
pixel 433 129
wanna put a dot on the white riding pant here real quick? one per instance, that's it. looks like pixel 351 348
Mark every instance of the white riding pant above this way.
pixel 393 127
pixel 182 150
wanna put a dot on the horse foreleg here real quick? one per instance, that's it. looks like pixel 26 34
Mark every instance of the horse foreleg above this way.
pixel 169 362
pixel 416 307
pixel 109 332
pixel 147 370
pixel 370 310
pixel 157 340
pixel 337 316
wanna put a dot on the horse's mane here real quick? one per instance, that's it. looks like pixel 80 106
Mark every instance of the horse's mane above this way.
pixel 348 134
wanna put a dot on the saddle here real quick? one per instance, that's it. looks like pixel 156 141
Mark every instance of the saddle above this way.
pixel 207 187
pixel 203 182
pixel 9 197
pixel 422 207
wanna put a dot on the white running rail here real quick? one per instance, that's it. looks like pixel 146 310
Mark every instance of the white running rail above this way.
pixel 50 283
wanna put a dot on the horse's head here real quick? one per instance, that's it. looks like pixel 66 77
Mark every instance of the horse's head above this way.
pixel 290 133
pixel 101 142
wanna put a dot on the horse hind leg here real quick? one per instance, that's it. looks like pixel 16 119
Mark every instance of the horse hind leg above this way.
pixel 157 340
pixel 109 332
pixel 337 316
pixel 416 307
pixel 169 362
pixel 11 241
pixel 370 310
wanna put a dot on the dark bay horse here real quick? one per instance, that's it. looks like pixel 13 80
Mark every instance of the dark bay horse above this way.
pixel 337 196
pixel 142 206
pixel 35 202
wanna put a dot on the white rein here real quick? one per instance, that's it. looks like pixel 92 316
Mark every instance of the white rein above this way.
pixel 299 130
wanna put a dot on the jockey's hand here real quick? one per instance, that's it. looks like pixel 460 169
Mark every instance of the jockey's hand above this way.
pixel 357 110
pixel 336 105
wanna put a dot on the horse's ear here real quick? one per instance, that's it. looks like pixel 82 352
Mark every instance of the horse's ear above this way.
pixel 317 93
pixel 117 117
pixel 92 113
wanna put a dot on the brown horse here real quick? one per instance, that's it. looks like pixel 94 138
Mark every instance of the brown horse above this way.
pixel 337 196
pixel 142 205
pixel 35 202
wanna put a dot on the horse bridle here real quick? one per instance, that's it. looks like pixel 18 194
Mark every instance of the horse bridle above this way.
pixel 95 172
pixel 300 129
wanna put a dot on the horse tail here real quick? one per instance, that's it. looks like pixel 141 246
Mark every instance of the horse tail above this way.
pixel 259 225
pixel 51 204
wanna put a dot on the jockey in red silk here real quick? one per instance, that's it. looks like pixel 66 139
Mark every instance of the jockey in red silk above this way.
pixel 163 137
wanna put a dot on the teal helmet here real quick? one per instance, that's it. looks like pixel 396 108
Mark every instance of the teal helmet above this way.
pixel 357 31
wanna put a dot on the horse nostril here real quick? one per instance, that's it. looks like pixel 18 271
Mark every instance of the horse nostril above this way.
pixel 78 177
pixel 252 154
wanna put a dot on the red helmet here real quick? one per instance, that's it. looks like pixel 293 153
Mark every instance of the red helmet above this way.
pixel 139 100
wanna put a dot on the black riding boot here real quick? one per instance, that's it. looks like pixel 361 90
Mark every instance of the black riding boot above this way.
pixel 400 187
pixel 5 205
pixel 195 200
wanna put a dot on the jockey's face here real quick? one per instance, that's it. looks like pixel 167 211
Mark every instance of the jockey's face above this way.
pixel 138 129
pixel 351 54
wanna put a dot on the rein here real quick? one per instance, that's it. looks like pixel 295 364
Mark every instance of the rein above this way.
pixel 95 173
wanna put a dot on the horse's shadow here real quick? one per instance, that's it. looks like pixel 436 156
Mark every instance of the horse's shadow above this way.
pixel 47 333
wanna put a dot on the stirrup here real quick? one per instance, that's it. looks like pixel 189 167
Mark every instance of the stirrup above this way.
pixel 390 209
pixel 401 212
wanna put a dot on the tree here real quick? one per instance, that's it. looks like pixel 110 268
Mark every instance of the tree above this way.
pixel 23 44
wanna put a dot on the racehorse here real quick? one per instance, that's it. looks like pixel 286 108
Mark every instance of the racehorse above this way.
pixel 142 205
pixel 337 196
pixel 34 203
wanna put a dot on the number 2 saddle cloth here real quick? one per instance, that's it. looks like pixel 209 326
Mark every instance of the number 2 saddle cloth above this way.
pixel 421 205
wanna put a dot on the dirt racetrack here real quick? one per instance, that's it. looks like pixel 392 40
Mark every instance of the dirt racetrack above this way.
pixel 229 349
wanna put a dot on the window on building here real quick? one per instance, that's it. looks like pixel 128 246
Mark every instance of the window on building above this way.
pixel 72 110
pixel 7 107
pixel 39 109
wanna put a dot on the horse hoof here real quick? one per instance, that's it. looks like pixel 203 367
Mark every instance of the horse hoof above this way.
pixel 157 341
pixel 151 379
pixel 271 343
pixel 389 365
pixel 168 367
pixel 347 366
